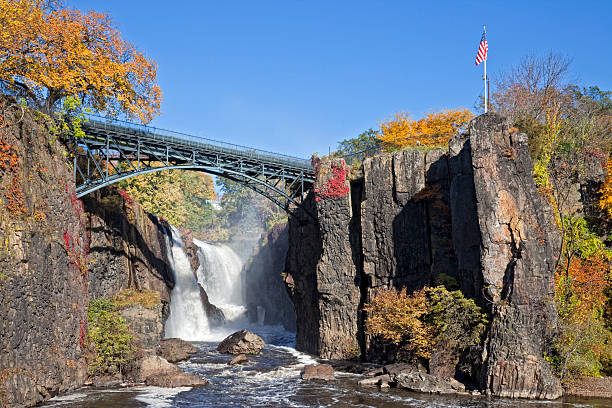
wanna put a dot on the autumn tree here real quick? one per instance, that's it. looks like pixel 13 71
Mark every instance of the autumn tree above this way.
pixel 181 197
pixel 365 144
pixel 417 323
pixel 48 53
pixel 245 211
pixel 605 202
pixel 435 129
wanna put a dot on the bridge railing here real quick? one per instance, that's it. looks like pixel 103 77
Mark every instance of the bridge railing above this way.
pixel 169 136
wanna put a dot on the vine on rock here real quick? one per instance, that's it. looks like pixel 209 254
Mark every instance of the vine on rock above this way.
pixel 9 161
pixel 336 186
pixel 75 257
pixel 128 199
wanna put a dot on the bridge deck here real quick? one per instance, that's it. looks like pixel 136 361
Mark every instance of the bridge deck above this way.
pixel 96 127
pixel 113 150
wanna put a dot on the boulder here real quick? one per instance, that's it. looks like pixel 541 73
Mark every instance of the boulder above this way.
pixel 379 380
pixel 241 342
pixel 157 371
pixel 426 383
pixel 107 381
pixel 175 350
pixel 239 359
pixel 318 372
pixel 175 380
pixel 395 369
pixel 375 372
pixel 150 366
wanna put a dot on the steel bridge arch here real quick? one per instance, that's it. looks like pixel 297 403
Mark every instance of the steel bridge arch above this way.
pixel 253 183
pixel 109 151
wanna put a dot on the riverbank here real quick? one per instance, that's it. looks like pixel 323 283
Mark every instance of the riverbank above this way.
pixel 273 380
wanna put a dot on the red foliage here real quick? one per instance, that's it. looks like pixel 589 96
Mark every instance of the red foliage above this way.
pixel 83 334
pixel 14 196
pixel 336 186
pixel 74 257
pixel 600 155
pixel 128 199
pixel 9 160
pixel 67 240
pixel 76 203
pixel 8 156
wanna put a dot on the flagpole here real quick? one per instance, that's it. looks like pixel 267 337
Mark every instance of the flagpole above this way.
pixel 485 75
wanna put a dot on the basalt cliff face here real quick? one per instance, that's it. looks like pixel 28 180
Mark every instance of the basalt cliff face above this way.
pixel 265 291
pixel 56 254
pixel 43 280
pixel 127 246
pixel 470 214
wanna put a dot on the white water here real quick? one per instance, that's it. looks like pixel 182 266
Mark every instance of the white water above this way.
pixel 220 274
pixel 187 319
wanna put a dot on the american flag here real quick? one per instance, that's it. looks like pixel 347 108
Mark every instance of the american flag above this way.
pixel 483 49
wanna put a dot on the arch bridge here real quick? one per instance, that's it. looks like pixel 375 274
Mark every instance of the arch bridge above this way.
pixel 114 150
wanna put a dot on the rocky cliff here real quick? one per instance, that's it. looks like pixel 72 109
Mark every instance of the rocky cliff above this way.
pixel 128 246
pixel 57 253
pixel 264 283
pixel 469 216
pixel 43 270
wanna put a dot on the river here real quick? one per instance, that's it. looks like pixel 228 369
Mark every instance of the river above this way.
pixel 271 379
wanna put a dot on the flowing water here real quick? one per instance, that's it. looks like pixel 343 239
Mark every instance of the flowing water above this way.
pixel 271 379
pixel 187 318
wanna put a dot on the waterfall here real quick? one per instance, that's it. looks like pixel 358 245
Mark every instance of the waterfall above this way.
pixel 220 274
pixel 187 319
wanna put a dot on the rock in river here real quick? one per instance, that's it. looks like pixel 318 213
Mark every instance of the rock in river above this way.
pixel 318 372
pixel 239 359
pixel 241 342
pixel 175 380
pixel 422 382
pixel 175 350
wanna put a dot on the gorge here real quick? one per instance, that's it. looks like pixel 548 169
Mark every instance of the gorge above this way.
pixel 469 215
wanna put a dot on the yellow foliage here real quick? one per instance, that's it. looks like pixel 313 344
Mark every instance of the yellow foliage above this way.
pixel 132 297
pixel 434 130
pixel 396 316
pixel 49 53
pixel 605 202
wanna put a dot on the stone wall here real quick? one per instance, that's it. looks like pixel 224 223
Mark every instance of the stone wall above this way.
pixel 469 216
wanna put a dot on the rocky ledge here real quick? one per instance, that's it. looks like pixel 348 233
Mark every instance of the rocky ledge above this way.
pixel 157 371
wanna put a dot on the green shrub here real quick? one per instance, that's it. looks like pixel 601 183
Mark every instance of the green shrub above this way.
pixel 109 336
pixel 415 323
pixel 456 320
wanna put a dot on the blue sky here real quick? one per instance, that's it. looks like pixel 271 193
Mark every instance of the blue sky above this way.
pixel 297 77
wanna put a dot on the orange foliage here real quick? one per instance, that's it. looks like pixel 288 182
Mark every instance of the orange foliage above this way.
pixel 585 281
pixel 8 156
pixel 605 202
pixel 47 54
pixel 13 193
pixel 396 316
pixel 434 130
